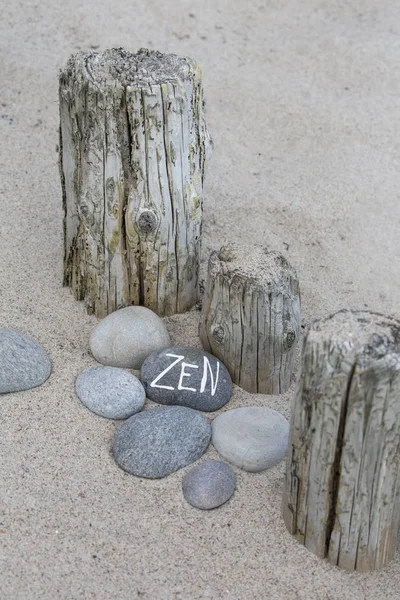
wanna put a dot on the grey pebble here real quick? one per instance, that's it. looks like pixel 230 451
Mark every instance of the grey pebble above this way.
pixel 253 438
pixel 186 377
pixel 110 392
pixel 23 362
pixel 209 484
pixel 127 336
pixel 159 441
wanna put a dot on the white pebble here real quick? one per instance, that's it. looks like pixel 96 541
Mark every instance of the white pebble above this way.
pixel 252 438
pixel 127 336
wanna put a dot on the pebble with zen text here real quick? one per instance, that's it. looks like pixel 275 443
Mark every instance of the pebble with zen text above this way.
pixel 186 377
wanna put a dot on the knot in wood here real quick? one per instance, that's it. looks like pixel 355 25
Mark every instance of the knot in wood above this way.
pixel 218 333
pixel 289 340
pixel 226 254
pixel 147 221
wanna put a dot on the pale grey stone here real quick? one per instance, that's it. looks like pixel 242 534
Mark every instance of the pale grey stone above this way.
pixel 127 336
pixel 159 441
pixel 209 484
pixel 110 392
pixel 23 362
pixel 253 438
pixel 186 377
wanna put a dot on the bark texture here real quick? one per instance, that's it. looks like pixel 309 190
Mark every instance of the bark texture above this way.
pixel 133 147
pixel 251 316
pixel 341 497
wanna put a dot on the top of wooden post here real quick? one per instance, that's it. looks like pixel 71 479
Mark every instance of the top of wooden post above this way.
pixel 254 264
pixel 119 67
pixel 359 333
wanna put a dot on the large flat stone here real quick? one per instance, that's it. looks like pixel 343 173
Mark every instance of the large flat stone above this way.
pixel 159 441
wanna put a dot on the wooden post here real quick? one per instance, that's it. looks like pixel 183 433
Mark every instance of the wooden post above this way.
pixel 342 490
pixel 133 147
pixel 251 316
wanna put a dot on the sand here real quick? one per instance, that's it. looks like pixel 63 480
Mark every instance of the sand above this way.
pixel 303 107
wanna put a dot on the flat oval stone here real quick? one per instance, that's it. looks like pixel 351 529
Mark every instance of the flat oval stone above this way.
pixel 23 362
pixel 253 438
pixel 186 377
pixel 110 392
pixel 159 441
pixel 125 337
pixel 209 484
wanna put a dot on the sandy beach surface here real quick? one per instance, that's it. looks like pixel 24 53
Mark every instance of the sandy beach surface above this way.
pixel 303 107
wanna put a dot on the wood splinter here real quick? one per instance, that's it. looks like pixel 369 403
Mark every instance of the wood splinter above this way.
pixel 342 489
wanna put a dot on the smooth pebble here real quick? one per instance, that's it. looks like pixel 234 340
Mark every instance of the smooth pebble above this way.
pixel 253 438
pixel 159 441
pixel 209 484
pixel 186 377
pixel 127 336
pixel 110 392
pixel 23 362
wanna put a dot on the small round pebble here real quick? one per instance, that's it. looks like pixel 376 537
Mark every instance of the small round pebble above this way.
pixel 159 441
pixel 209 484
pixel 127 336
pixel 23 362
pixel 253 438
pixel 186 377
pixel 110 392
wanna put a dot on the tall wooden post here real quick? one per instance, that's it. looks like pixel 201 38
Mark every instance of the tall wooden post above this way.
pixel 133 148
pixel 342 490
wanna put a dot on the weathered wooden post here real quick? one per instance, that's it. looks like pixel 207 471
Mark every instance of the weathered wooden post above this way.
pixel 133 147
pixel 251 316
pixel 342 490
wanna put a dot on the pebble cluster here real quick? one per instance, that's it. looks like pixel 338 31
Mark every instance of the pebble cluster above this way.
pixel 155 442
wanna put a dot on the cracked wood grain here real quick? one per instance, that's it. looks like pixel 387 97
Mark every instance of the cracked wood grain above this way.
pixel 134 146
pixel 341 497
pixel 251 316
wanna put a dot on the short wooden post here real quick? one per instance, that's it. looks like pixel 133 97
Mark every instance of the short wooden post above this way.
pixel 342 490
pixel 133 148
pixel 251 316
